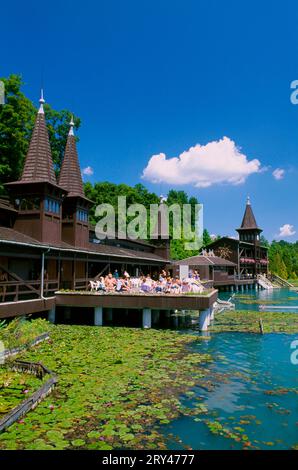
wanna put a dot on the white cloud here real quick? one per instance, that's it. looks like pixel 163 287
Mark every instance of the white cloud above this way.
pixel 286 230
pixel 88 171
pixel 278 174
pixel 203 165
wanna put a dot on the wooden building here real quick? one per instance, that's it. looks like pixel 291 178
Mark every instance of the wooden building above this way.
pixel 247 252
pixel 46 241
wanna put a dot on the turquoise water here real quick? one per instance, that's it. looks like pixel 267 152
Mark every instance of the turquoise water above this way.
pixel 274 297
pixel 237 391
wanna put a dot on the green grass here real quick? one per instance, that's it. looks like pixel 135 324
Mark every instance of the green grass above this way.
pixel 116 386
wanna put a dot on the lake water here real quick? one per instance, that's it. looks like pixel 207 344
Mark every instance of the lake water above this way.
pixel 251 299
pixel 252 387
pixel 247 368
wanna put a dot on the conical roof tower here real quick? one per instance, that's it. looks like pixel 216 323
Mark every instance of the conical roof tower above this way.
pixel 75 224
pixel 36 195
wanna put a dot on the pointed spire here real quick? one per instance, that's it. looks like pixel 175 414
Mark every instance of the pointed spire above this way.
pixel 41 101
pixel 70 132
pixel 38 164
pixel 70 175
pixel 249 221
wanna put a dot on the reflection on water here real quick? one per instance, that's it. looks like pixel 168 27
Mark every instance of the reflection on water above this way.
pixel 253 392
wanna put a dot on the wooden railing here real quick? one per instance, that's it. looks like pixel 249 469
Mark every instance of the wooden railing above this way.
pixel 82 284
pixel 12 291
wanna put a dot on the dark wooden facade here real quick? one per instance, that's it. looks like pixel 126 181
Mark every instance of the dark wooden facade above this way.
pixel 247 252
pixel 45 231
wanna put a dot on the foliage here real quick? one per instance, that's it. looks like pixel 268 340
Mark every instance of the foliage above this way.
pixel 14 388
pixel 20 332
pixel 248 321
pixel 206 238
pixel 17 118
pixel 283 259
pixel 108 397
pixel 106 192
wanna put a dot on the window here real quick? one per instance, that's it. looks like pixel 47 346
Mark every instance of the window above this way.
pixel 28 204
pixel 51 205
pixel 82 215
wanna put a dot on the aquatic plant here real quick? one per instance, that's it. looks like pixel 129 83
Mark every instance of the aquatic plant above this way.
pixel 116 387
pixel 248 321
pixel 20 331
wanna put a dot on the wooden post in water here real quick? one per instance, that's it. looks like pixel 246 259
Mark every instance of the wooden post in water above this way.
pixel 261 326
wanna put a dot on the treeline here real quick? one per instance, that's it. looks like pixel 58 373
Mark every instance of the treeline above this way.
pixel 283 259
pixel 106 192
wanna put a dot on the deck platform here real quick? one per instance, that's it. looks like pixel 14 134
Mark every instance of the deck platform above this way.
pixel 137 301
pixel 26 307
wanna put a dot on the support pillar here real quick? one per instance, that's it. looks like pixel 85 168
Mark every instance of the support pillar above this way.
pixel 146 318
pixel 52 315
pixel 109 314
pixel 67 313
pixel 242 288
pixel 204 319
pixel 156 317
pixel 237 288
pixel 175 321
pixel 98 316
pixel 232 288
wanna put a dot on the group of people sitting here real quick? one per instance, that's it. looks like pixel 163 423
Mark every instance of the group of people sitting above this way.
pixel 163 284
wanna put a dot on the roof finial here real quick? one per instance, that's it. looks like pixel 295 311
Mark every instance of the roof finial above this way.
pixel 71 126
pixel 248 201
pixel 41 101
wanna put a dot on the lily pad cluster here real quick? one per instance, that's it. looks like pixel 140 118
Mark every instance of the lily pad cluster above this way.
pixel 14 388
pixel 248 322
pixel 116 387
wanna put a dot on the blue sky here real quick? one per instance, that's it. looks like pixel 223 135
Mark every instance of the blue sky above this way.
pixel 160 76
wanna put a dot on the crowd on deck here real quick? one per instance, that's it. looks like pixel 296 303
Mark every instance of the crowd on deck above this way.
pixel 164 284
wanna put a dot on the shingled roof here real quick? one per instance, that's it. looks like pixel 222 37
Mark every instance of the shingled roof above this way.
pixel 8 235
pixel 38 163
pixel 70 175
pixel 201 260
pixel 249 221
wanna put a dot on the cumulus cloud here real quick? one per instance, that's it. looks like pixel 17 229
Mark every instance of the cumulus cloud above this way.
pixel 278 174
pixel 286 230
pixel 203 165
pixel 88 171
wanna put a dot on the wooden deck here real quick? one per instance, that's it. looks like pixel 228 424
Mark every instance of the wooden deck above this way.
pixel 137 301
pixel 114 301
pixel 26 307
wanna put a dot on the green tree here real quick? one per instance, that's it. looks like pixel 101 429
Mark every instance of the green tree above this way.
pixel 17 119
pixel 206 238
pixel 16 123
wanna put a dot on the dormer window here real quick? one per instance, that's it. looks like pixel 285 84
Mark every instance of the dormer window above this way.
pixel 82 215
pixel 27 204
pixel 51 205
